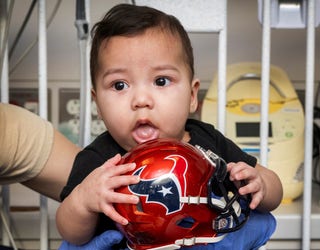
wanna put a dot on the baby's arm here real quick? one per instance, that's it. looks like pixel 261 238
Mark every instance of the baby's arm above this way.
pixel 78 214
pixel 262 183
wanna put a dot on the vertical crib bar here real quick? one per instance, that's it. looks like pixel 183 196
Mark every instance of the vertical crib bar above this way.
pixel 5 15
pixel 87 137
pixel 5 191
pixel 265 75
pixel 309 95
pixel 85 84
pixel 265 79
pixel 43 109
pixel 222 60
pixel 5 78
pixel 6 8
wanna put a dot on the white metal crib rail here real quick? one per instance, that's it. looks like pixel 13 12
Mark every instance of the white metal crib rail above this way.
pixel 43 109
pixel 6 10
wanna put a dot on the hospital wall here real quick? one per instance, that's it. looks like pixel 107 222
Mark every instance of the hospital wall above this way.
pixel 244 39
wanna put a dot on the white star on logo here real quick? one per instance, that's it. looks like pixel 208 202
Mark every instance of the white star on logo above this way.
pixel 165 191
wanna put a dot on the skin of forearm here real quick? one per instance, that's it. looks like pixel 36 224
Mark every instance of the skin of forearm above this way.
pixel 274 190
pixel 74 222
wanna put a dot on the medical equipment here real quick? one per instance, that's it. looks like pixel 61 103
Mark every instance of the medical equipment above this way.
pixel 286 120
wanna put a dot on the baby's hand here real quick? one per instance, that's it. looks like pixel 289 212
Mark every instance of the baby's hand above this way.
pixel 97 189
pixel 254 183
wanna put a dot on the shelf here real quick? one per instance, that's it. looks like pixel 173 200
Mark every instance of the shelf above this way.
pixel 289 218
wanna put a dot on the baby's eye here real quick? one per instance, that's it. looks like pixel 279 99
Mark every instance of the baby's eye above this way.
pixel 120 85
pixel 162 81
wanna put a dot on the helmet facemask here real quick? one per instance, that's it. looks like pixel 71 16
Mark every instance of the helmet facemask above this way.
pixel 223 195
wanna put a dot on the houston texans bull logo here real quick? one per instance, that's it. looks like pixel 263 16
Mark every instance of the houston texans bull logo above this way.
pixel 166 189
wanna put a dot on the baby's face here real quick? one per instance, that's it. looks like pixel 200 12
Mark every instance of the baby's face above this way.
pixel 143 88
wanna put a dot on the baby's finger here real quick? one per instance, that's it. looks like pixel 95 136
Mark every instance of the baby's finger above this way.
pixel 125 198
pixel 114 160
pixel 236 168
pixel 230 166
pixel 119 169
pixel 115 216
pixel 121 180
pixel 249 188
pixel 255 201
pixel 117 197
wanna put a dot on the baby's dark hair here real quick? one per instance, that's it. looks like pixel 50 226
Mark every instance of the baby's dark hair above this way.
pixel 129 20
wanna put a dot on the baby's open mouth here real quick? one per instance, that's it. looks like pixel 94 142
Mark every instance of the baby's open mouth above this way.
pixel 144 132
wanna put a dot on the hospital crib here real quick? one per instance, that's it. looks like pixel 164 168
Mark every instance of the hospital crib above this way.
pixel 214 12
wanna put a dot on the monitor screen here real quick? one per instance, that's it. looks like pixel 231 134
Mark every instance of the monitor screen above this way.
pixel 250 129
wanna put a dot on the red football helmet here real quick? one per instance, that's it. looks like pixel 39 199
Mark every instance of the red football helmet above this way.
pixel 186 197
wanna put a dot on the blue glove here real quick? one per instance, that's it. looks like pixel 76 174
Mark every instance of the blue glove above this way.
pixel 105 241
pixel 254 234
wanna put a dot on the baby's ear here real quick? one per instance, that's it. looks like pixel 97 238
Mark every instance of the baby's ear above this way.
pixel 195 84
pixel 94 98
pixel 93 94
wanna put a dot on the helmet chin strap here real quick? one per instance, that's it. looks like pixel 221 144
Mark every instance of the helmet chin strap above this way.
pixel 217 202
pixel 204 200
pixel 190 242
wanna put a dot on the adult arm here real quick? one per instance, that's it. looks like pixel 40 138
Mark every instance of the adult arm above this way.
pixel 56 170
pixel 32 152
